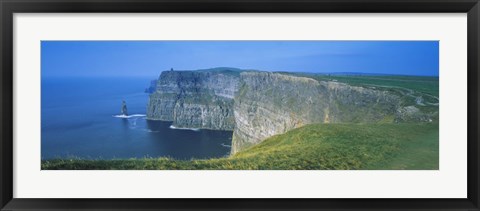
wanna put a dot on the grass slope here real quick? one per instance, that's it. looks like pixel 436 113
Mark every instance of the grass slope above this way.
pixel 317 146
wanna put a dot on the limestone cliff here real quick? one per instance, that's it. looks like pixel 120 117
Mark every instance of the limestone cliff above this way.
pixel 268 104
pixel 194 99
pixel 152 87
pixel 257 105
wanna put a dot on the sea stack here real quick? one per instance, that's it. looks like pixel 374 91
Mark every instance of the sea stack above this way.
pixel 124 108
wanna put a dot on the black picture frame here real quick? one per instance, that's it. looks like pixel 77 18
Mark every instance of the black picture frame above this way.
pixel 9 7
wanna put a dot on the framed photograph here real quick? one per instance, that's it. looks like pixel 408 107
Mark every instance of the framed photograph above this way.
pixel 254 105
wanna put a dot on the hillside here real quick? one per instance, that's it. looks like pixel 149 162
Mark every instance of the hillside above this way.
pixel 315 146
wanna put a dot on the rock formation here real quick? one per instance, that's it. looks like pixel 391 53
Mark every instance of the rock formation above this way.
pixel 152 87
pixel 194 99
pixel 124 108
pixel 257 105
pixel 268 104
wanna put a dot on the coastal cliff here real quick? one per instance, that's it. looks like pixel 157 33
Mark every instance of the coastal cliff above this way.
pixel 194 99
pixel 257 105
pixel 268 104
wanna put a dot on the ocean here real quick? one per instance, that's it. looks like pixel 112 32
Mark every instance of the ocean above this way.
pixel 81 119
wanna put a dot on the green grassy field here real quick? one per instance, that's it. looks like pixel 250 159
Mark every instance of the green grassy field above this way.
pixel 316 146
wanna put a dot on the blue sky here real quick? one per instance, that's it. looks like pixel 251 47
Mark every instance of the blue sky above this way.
pixel 149 58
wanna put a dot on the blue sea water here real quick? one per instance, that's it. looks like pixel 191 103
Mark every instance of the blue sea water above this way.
pixel 80 119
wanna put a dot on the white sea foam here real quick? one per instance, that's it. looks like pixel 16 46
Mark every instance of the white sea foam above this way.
pixel 129 116
pixel 225 145
pixel 181 128
pixel 153 131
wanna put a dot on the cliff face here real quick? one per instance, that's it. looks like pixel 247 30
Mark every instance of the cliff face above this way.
pixel 268 104
pixel 258 105
pixel 194 99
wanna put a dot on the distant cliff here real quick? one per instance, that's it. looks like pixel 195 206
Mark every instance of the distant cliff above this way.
pixel 152 87
pixel 194 99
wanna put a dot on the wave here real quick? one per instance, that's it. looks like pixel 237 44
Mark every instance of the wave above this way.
pixel 151 131
pixel 182 128
pixel 129 116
